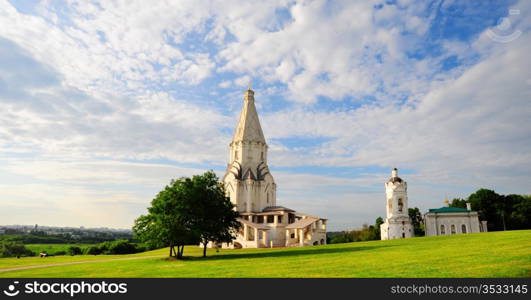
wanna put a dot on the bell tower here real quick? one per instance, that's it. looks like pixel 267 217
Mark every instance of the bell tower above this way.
pixel 248 182
pixel 397 224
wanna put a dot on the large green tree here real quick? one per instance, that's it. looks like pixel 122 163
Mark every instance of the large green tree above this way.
pixel 491 207
pixel 167 223
pixel 520 216
pixel 188 211
pixel 502 212
pixel 213 215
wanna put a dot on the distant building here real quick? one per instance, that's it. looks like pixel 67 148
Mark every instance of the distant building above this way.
pixel 397 224
pixel 453 220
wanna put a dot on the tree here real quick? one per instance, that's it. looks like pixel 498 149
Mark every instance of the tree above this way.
pixel 416 219
pixel 212 214
pixel 458 202
pixel 491 207
pixel 74 250
pixel 167 223
pixel 188 211
pixel 11 249
pixel 502 212
pixel 377 233
pixel 520 217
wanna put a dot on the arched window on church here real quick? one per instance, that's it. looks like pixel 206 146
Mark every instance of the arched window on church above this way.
pixel 262 155
pixel 390 204
pixel 463 228
pixel 400 205
pixel 452 228
pixel 236 155
pixel 442 229
pixel 267 197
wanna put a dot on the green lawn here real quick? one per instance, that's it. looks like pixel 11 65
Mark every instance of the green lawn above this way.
pixel 494 254
pixel 53 248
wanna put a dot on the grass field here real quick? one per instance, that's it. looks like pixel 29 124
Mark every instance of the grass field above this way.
pixel 53 248
pixel 494 254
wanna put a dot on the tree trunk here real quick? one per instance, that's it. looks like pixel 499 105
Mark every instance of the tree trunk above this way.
pixel 171 250
pixel 204 248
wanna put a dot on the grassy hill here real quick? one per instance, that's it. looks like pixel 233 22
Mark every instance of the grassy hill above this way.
pixel 493 254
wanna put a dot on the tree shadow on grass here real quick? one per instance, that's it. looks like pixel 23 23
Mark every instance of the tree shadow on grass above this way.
pixel 290 252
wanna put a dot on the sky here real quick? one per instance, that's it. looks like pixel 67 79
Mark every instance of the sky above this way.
pixel 102 103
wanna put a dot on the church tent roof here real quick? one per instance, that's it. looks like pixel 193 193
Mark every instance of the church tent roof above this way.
pixel 249 128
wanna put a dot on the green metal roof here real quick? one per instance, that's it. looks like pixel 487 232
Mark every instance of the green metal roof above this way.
pixel 447 209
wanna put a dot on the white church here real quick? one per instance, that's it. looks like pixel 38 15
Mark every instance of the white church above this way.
pixel 440 221
pixel 252 189
pixel 397 223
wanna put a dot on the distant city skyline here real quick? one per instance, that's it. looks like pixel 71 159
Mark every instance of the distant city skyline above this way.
pixel 104 103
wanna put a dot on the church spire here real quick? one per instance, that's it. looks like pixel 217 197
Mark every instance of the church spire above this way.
pixel 249 129
pixel 248 182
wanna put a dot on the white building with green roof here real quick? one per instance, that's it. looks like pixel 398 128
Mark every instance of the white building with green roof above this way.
pixel 453 220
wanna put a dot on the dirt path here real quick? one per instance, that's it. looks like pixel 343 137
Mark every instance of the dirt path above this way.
pixel 76 263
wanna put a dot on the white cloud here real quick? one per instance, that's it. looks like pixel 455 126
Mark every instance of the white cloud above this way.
pixel 110 80
pixel 225 84
pixel 471 125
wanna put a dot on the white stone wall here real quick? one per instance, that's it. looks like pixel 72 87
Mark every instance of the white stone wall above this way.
pixel 251 195
pixel 396 228
pixel 433 222
pixel 396 194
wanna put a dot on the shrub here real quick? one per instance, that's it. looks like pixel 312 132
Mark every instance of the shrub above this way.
pixel 60 252
pixel 141 248
pixel 11 249
pixel 74 250
pixel 122 247
pixel 93 250
pixel 104 247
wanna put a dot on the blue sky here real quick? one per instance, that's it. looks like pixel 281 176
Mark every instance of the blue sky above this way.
pixel 104 102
